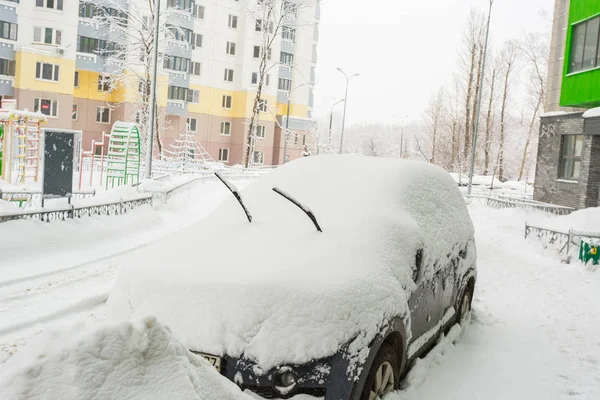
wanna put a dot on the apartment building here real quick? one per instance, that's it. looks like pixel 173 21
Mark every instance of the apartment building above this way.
pixel 568 161
pixel 53 59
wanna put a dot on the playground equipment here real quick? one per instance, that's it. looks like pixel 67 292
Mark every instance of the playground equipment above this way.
pixel 187 154
pixel 92 156
pixel 20 144
pixel 123 156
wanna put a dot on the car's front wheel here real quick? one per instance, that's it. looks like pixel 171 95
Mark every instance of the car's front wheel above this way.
pixel 383 376
pixel 464 310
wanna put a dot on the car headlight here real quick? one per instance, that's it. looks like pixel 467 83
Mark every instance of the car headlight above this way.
pixel 284 380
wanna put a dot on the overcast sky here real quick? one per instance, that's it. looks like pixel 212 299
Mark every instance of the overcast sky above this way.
pixel 404 50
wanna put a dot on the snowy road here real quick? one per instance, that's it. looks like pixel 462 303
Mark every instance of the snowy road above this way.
pixel 535 333
pixel 62 272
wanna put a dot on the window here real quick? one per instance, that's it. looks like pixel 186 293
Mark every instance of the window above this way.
pixel 7 67
pixel 53 4
pixel 196 68
pixel 47 72
pixel 233 21
pixel 74 113
pixel 186 5
pixel 180 34
pixel 256 51
pixel 254 80
pixel 47 35
pixel 584 46
pixel 228 75
pixel 267 80
pixel 103 115
pixel 258 157
pixel 261 131
pixel 193 96
pixel 285 84
pixel 303 140
pixel 46 107
pixel 288 33
pixel 191 123
pixel 570 164
pixel 76 79
pixel 176 63
pixel 224 155
pixel 286 58
pixel 177 93
pixel 296 138
pixel 97 46
pixel 263 105
pixel 230 49
pixel 196 40
pixel 103 83
pixel 8 30
pixel 260 25
pixel 226 101
pixel 198 11
pixel 226 128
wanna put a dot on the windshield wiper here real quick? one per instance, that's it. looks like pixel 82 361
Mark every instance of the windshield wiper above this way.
pixel 236 194
pixel 300 206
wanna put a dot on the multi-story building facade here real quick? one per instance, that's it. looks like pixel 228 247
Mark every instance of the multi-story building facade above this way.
pixel 568 162
pixel 52 59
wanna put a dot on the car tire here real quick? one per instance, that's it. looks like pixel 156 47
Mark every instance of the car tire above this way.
pixel 464 307
pixel 384 375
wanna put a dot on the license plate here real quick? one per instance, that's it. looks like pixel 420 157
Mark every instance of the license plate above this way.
pixel 213 360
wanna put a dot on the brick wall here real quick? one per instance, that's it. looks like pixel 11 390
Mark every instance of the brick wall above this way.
pixel 548 188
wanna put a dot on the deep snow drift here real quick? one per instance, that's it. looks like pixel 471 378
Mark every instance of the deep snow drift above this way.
pixel 127 360
pixel 278 291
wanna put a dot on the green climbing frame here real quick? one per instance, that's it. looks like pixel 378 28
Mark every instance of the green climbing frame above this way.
pixel 123 158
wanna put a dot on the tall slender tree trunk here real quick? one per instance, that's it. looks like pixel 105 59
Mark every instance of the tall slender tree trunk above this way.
pixel 488 126
pixel 502 125
pixel 529 132
pixel 467 143
pixel 476 98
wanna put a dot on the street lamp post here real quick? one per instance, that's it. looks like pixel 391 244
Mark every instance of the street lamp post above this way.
pixel 487 35
pixel 345 104
pixel 154 71
pixel 287 123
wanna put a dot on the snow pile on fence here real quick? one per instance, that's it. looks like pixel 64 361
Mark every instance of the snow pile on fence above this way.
pixel 128 360
pixel 586 220
pixel 7 206
pixel 276 290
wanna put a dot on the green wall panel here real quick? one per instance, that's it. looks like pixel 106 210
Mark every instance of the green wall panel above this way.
pixel 581 89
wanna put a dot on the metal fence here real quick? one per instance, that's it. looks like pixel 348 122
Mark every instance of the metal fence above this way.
pixel 562 242
pixel 504 201
pixel 119 207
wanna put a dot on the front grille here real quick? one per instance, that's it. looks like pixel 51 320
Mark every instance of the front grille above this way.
pixel 270 393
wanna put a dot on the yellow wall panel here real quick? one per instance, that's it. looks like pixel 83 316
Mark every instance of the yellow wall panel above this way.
pixel 25 73
pixel 88 89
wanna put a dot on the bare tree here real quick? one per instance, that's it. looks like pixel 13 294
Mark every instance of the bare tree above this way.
pixel 128 54
pixel 472 43
pixel 508 59
pixel 488 120
pixel 433 120
pixel 534 48
pixel 271 18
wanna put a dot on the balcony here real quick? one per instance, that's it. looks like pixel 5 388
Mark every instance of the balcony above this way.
pixel 178 17
pixel 7 50
pixel 178 78
pixel 178 48
pixel 7 85
pixel 285 71
pixel 176 107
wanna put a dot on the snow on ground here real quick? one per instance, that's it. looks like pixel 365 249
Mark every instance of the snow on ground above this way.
pixel 534 334
pixel 535 326
pixel 62 271
pixel 126 361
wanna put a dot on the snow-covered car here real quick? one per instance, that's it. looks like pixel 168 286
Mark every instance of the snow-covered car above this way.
pixel 328 277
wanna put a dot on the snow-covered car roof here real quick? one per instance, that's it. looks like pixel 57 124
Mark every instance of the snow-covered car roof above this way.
pixel 278 291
